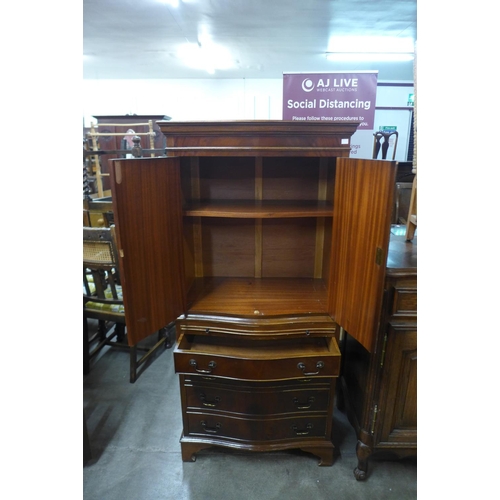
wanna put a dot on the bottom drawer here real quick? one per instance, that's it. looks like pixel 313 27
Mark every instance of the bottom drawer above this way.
pixel 256 430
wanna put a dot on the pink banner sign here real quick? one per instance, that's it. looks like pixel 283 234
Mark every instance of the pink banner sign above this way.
pixel 335 97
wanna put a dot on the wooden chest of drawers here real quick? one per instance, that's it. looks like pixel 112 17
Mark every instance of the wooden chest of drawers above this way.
pixel 258 390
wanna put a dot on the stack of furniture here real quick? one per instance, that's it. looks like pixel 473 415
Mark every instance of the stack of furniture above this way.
pixel 261 239
pixel 108 136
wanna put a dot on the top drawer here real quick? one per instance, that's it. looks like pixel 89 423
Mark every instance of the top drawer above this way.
pixel 274 328
pixel 257 360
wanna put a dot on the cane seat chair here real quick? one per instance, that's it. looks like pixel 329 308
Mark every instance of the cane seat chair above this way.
pixel 103 301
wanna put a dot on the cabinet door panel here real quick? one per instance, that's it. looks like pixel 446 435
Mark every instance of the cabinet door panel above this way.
pixel 148 215
pixel 361 230
pixel 398 399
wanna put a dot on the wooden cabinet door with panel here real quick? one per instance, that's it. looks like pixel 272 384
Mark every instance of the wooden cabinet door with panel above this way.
pixel 378 387
pixel 397 417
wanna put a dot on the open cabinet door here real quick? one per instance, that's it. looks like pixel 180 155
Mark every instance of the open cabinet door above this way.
pixel 146 196
pixel 364 191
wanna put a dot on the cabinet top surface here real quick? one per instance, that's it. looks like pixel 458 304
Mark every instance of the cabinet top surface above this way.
pixel 258 138
pixel 273 126
pixel 132 117
pixel 402 254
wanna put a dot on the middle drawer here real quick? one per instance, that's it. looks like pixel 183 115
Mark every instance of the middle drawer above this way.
pixel 258 360
pixel 257 398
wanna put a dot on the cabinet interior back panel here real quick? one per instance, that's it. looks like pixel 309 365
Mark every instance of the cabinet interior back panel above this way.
pixel 288 248
pixel 326 242
pixel 290 178
pixel 227 178
pixel 189 250
pixel 228 247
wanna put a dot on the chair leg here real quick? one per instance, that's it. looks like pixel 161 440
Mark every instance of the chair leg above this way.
pixel 102 329
pixel 120 329
pixel 86 347
pixel 133 364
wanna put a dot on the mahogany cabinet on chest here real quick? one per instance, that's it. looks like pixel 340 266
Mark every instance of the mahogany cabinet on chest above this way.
pixel 260 239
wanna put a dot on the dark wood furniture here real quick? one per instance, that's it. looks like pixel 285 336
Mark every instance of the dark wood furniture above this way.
pixel 118 125
pixel 259 238
pixel 379 385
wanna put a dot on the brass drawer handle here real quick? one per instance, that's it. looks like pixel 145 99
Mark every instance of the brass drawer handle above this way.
pixel 319 366
pixel 302 433
pixel 194 364
pixel 304 406
pixel 209 404
pixel 210 430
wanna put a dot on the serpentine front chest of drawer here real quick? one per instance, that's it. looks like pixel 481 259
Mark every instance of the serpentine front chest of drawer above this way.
pixel 257 388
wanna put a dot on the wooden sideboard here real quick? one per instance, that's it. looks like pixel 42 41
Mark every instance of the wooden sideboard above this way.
pixel 261 239
pixel 378 389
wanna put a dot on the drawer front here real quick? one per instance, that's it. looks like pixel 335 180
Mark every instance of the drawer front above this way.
pixel 252 400
pixel 257 360
pixel 248 429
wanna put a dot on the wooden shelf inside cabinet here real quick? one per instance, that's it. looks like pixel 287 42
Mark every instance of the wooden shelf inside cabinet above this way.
pixel 260 209
pixel 258 297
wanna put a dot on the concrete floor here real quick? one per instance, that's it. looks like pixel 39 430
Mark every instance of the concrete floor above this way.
pixel 134 432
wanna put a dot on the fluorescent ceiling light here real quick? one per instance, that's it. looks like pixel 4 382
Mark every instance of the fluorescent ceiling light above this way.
pixel 205 55
pixel 369 56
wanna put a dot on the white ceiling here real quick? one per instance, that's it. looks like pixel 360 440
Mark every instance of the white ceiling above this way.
pixel 140 39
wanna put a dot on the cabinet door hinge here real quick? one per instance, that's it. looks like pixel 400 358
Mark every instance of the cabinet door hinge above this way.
pixel 382 355
pixel 374 419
